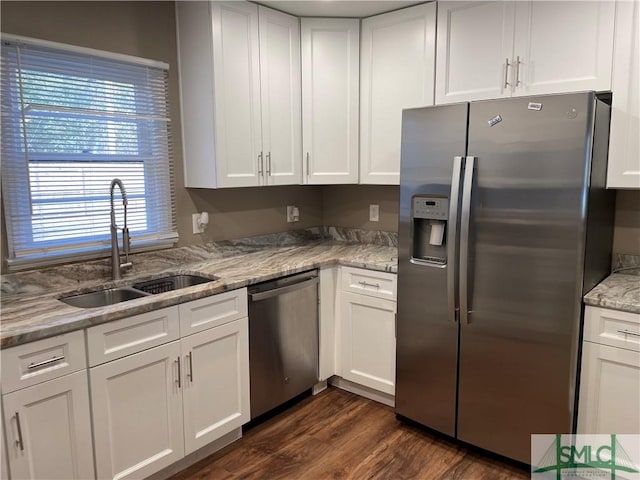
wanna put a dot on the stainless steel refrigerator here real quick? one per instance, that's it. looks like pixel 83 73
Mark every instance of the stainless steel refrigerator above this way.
pixel 504 224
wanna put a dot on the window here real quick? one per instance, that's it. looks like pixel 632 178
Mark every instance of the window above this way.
pixel 72 120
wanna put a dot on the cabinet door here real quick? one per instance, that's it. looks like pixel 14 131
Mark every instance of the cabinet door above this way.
pixel 624 142
pixel 216 392
pixel 563 46
pixel 475 43
pixel 397 70
pixel 137 413
pixel 4 471
pixel 609 390
pixel 236 74
pixel 330 86
pixel 280 94
pixel 368 341
pixel 49 430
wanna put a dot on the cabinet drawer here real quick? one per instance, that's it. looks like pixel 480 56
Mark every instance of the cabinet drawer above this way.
pixel 369 282
pixel 212 311
pixel 36 362
pixel 124 337
pixel 611 327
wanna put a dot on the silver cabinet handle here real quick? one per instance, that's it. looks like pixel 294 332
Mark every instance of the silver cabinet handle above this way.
pixel 366 284
pixel 269 163
pixel 451 238
pixel 19 441
pixel 260 164
pixel 627 332
pixel 308 165
pixel 506 73
pixel 518 62
pixel 44 363
pixel 190 366
pixel 464 239
pixel 179 381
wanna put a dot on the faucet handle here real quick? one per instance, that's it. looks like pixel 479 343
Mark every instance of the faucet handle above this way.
pixel 126 242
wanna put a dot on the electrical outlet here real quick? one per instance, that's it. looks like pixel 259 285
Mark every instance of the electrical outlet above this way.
pixel 197 227
pixel 374 213
pixel 293 214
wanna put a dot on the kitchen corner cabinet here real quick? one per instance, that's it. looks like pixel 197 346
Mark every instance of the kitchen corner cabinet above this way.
pixel 624 142
pixel 49 429
pixel 330 103
pixel 240 94
pixel 397 70
pixel 610 376
pixel 501 49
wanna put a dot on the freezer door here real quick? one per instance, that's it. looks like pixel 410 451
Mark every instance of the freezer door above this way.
pixel 525 258
pixel 427 333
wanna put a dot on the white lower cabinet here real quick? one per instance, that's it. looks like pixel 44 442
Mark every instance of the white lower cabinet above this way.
pixel 49 430
pixel 152 408
pixel 610 376
pixel 216 383
pixel 610 390
pixel 137 413
pixel 367 341
pixel 4 470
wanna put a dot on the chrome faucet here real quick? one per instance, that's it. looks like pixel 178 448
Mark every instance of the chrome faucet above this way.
pixel 116 266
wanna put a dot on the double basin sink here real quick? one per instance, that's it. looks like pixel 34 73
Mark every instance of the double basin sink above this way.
pixel 102 298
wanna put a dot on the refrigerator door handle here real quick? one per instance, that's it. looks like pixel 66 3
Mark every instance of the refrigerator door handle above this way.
pixel 452 234
pixel 464 239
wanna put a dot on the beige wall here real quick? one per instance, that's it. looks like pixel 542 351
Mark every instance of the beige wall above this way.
pixel 147 29
pixel 348 206
pixel 626 237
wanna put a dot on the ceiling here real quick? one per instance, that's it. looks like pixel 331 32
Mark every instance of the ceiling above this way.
pixel 336 8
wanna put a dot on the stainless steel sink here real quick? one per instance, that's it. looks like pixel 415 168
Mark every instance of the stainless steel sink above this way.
pixel 173 282
pixel 103 298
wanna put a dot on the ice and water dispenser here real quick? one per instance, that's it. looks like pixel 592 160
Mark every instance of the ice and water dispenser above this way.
pixel 429 214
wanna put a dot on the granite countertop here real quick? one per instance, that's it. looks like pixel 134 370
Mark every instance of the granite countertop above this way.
pixel 618 291
pixel 31 309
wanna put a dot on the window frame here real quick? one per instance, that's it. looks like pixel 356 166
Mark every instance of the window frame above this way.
pixel 94 246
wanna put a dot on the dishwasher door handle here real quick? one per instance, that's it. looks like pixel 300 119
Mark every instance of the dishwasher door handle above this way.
pixel 254 297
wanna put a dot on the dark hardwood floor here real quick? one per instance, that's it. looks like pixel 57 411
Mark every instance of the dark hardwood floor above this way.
pixel 339 435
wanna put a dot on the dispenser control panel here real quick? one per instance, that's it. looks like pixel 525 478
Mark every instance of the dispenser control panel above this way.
pixel 436 208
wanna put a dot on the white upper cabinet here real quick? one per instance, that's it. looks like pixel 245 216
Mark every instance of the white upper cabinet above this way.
pixel 563 46
pixel 330 81
pixel 240 94
pixel 330 76
pixel 624 142
pixel 475 43
pixel 220 93
pixel 397 65
pixel 280 95
pixel 501 49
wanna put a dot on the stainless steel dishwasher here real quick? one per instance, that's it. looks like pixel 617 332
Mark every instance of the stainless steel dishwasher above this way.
pixel 283 339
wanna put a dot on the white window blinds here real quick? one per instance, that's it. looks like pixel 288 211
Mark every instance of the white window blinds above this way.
pixel 71 122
